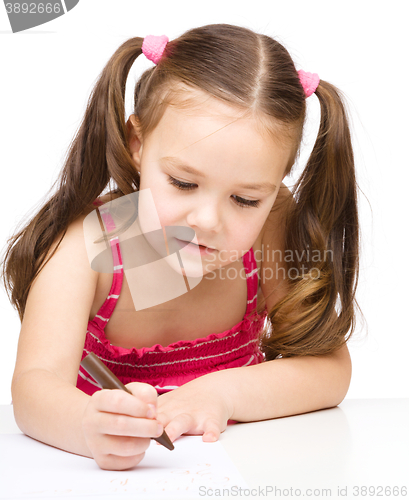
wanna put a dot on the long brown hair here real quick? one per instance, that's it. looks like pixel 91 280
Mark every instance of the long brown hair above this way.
pixel 255 73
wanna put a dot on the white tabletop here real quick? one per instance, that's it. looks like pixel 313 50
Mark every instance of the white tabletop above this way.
pixel 337 452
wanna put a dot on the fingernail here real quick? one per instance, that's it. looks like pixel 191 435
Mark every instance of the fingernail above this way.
pixel 159 429
pixel 210 437
pixel 151 413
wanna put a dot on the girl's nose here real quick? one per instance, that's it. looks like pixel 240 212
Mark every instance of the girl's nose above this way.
pixel 205 217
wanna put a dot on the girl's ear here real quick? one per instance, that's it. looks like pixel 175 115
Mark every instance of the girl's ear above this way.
pixel 134 139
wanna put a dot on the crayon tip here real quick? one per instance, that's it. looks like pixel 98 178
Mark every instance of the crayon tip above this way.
pixel 165 441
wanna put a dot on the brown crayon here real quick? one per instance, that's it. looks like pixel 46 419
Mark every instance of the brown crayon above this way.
pixel 103 375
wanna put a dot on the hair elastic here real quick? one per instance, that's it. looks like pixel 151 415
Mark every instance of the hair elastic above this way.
pixel 309 82
pixel 153 47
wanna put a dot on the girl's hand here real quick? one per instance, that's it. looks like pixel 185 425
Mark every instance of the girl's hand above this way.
pixel 197 407
pixel 118 426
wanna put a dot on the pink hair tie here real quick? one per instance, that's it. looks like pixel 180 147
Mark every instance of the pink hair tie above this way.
pixel 153 47
pixel 309 81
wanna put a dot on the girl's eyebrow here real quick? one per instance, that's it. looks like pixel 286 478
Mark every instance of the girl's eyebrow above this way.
pixel 180 165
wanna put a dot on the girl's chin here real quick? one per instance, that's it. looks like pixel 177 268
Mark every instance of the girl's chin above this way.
pixel 195 270
pixel 195 273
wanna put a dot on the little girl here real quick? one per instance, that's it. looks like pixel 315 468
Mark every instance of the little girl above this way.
pixel 217 125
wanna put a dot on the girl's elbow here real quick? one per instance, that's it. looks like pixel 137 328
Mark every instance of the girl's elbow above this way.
pixel 343 374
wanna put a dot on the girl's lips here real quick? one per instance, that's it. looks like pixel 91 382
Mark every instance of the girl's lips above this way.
pixel 192 247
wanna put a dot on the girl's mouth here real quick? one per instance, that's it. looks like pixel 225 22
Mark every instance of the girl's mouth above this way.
pixel 192 247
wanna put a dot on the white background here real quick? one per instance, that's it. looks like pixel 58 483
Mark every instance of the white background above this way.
pixel 48 72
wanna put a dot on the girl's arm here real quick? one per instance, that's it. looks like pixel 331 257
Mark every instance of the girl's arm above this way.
pixel 110 426
pixel 288 386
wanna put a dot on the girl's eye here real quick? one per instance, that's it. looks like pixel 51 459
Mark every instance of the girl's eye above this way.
pixel 185 186
pixel 180 185
pixel 242 202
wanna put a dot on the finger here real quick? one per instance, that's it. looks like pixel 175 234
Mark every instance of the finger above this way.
pixel 181 424
pixel 123 425
pixel 211 430
pixel 144 392
pixel 124 446
pixel 114 462
pixel 120 402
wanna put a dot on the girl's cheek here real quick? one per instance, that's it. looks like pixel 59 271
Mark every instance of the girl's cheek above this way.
pixel 168 214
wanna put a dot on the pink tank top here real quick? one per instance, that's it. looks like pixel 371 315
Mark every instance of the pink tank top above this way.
pixel 168 367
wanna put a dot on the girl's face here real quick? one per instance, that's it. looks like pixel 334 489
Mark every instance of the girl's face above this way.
pixel 213 172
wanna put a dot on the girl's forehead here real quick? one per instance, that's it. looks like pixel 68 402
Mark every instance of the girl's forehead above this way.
pixel 202 123
pixel 218 129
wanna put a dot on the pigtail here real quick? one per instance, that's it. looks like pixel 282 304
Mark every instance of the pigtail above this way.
pixel 98 153
pixel 322 236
